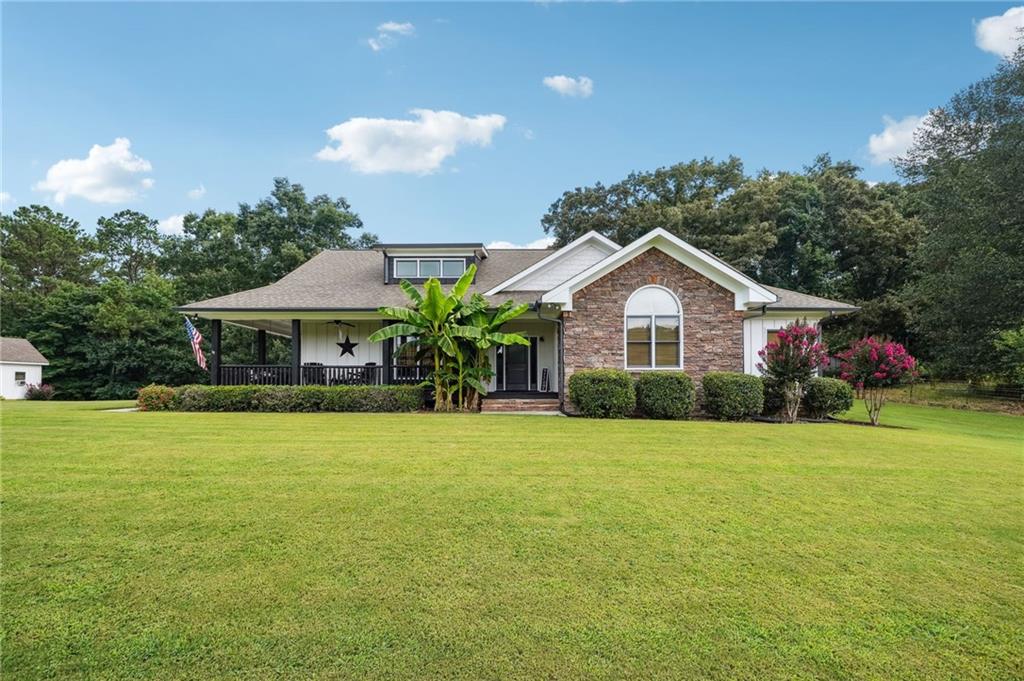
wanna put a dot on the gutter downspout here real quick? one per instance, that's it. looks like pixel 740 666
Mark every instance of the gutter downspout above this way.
pixel 561 356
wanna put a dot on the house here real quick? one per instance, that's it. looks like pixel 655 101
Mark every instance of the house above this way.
pixel 658 303
pixel 20 365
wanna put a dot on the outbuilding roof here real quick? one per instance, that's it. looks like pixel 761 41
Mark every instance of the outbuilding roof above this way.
pixel 20 351
pixel 354 280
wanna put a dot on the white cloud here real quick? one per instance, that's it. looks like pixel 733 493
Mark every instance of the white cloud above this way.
pixel 570 87
pixel 386 145
pixel 895 139
pixel 110 174
pixel 174 224
pixel 528 134
pixel 5 198
pixel 543 242
pixel 1000 34
pixel 388 34
pixel 197 193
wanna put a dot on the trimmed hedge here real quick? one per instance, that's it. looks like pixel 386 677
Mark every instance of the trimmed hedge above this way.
pixel 155 398
pixel 603 393
pixel 284 398
pixel 665 395
pixel 732 396
pixel 827 397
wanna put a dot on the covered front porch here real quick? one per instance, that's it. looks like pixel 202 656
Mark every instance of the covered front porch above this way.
pixel 332 348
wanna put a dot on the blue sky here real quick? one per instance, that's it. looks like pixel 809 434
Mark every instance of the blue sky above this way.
pixel 201 105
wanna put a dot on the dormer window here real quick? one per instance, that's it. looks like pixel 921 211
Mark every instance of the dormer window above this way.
pixel 424 268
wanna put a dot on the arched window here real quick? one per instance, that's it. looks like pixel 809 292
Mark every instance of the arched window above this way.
pixel 654 329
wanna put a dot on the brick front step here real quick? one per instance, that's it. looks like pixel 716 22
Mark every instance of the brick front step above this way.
pixel 505 405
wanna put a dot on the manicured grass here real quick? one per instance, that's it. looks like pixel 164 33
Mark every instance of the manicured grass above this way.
pixel 166 546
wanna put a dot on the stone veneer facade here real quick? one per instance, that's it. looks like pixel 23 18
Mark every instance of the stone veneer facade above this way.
pixel 712 328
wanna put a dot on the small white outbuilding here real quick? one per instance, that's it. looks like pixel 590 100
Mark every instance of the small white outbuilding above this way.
pixel 20 365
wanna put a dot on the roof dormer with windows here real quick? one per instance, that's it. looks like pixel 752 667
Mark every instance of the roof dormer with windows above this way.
pixel 418 262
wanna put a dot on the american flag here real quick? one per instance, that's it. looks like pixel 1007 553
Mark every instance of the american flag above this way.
pixel 196 339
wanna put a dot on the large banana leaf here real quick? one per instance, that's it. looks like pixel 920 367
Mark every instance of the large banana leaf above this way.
pixel 505 314
pixel 462 331
pixel 411 292
pixel 448 346
pixel 500 338
pixel 476 385
pixel 464 282
pixel 393 331
pixel 406 315
pixel 434 305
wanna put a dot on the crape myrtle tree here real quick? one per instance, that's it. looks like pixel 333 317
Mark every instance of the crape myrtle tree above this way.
pixel 873 366
pixel 791 362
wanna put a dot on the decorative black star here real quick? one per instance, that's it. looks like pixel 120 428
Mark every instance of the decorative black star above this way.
pixel 347 347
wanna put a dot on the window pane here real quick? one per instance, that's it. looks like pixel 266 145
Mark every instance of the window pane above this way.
pixel 638 354
pixel 773 337
pixel 652 300
pixel 453 268
pixel 638 328
pixel 666 328
pixel 666 354
pixel 430 268
pixel 405 268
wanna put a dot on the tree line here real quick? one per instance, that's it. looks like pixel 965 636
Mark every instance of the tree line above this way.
pixel 100 307
pixel 936 261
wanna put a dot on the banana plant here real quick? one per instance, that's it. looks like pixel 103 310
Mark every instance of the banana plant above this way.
pixel 489 322
pixel 456 333
pixel 433 319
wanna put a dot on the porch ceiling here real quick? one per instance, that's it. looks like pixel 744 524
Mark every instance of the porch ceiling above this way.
pixel 277 327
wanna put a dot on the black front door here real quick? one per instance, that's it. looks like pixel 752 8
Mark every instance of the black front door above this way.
pixel 517 367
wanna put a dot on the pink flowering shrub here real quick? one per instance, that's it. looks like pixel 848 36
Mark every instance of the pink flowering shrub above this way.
pixel 791 362
pixel 42 391
pixel 872 366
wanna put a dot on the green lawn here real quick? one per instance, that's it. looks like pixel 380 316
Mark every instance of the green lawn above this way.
pixel 418 546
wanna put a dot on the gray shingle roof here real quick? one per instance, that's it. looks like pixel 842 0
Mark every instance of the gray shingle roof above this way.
pixel 20 351
pixel 354 280
pixel 794 300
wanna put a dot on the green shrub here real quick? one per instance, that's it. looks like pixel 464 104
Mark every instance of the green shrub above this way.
pixel 665 395
pixel 827 397
pixel 295 398
pixel 732 396
pixel 155 398
pixel 774 400
pixel 603 393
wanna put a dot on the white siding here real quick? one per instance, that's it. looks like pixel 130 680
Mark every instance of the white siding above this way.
pixel 320 338
pixel 562 269
pixel 755 335
pixel 547 349
pixel 9 388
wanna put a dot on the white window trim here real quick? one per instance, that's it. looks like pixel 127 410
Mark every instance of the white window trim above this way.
pixel 625 339
pixel 438 258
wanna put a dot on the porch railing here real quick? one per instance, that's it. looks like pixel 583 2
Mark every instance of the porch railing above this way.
pixel 277 374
